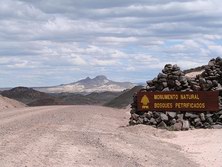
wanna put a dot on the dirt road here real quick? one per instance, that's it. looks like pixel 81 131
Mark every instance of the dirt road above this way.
pixel 82 136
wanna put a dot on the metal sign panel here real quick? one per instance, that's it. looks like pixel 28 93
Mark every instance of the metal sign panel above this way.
pixel 178 101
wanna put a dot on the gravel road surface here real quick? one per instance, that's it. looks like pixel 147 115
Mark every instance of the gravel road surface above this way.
pixel 84 136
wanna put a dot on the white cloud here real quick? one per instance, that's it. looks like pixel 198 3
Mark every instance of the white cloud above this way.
pixel 130 68
pixel 97 62
pixel 77 60
pixel 53 37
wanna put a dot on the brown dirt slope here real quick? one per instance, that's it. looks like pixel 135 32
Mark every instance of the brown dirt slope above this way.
pixel 6 103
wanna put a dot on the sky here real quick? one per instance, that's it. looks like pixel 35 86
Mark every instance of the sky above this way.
pixel 51 42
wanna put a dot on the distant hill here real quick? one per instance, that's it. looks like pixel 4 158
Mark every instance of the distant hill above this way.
pixel 6 103
pixel 33 97
pixel 28 96
pixel 124 99
pixel 95 98
pixel 98 84
pixel 46 102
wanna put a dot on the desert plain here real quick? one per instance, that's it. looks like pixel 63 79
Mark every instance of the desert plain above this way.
pixel 85 136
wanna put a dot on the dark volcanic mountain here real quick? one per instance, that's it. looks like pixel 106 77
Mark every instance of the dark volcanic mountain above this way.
pixel 90 99
pixel 88 85
pixel 124 99
pixel 30 96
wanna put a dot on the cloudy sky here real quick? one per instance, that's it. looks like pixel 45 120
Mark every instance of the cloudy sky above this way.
pixel 49 42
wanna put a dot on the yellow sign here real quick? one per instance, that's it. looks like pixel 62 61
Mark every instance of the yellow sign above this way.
pixel 145 101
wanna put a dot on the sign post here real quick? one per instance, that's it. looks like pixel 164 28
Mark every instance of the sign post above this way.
pixel 178 101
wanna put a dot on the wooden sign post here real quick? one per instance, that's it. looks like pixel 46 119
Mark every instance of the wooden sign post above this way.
pixel 178 101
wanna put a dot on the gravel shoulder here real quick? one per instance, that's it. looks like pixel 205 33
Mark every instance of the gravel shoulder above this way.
pixel 94 136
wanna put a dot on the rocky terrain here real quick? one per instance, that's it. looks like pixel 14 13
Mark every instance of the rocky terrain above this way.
pixel 98 84
pixel 173 79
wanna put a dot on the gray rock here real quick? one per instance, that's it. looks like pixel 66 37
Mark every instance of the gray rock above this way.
pixel 210 120
pixel 176 67
pixel 220 112
pixel 164 84
pixel 168 66
pixel 164 117
pixel 132 122
pixel 158 120
pixel 202 117
pixel 197 120
pixel 159 87
pixel 215 83
pixel 166 89
pixel 186 125
pixel 170 83
pixel 152 88
pixel 161 75
pixel 154 80
pixel 162 80
pixel 183 80
pixel 208 115
pixel 180 117
pixel 176 73
pixel 211 62
pixel 173 121
pixel 156 114
pixel 135 116
pixel 177 83
pixel 206 125
pixel 202 80
pixel 218 59
pixel 198 124
pixel 172 114
pixel 191 115
pixel 216 126
pixel 196 87
pixel 145 120
pixel 153 121
pixel 177 126
pixel 132 111
pixel 148 115
pixel 140 120
pixel 162 125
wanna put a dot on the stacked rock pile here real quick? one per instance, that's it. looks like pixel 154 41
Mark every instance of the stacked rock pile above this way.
pixel 173 79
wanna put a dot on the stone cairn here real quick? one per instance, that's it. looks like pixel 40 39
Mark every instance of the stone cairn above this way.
pixel 173 79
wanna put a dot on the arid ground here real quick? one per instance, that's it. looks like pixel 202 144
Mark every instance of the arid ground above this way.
pixel 83 136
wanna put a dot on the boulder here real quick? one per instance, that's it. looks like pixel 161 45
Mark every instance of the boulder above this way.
pixel 216 126
pixel 162 125
pixel 171 114
pixel 177 126
pixel 164 117
pixel 202 117
pixel 186 125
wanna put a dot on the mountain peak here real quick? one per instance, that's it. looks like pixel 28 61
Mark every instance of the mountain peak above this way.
pixel 87 78
pixel 98 84
pixel 101 77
